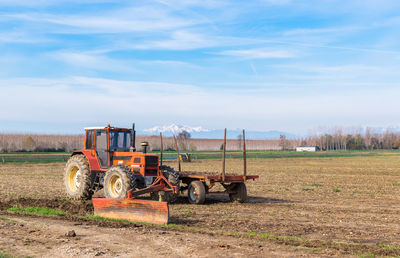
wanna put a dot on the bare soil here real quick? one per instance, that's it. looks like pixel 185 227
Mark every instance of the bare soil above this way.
pixel 308 206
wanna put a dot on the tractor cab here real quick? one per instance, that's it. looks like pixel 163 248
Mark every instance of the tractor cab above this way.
pixel 103 142
pixel 110 146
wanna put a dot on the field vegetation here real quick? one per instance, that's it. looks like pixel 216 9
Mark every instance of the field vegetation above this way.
pixel 48 157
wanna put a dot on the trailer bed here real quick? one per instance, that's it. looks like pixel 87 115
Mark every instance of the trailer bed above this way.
pixel 214 176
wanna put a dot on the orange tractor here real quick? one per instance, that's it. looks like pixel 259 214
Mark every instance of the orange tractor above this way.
pixel 109 160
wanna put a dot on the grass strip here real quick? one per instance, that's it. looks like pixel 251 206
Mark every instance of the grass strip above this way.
pixel 45 157
pixel 37 210
pixel 4 255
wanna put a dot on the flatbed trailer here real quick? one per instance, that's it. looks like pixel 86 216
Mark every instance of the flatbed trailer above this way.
pixel 196 185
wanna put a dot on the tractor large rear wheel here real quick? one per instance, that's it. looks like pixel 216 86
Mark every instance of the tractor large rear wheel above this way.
pixel 117 182
pixel 173 178
pixel 77 179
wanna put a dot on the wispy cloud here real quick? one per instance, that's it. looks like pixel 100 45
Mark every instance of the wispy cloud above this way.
pixel 92 61
pixel 179 40
pixel 258 53
pixel 120 20
pixel 22 37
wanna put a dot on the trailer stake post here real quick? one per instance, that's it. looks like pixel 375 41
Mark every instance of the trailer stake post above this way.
pixel 244 157
pixel 223 157
pixel 179 156
pixel 161 150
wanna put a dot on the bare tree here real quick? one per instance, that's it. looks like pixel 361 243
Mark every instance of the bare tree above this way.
pixel 282 142
pixel 182 138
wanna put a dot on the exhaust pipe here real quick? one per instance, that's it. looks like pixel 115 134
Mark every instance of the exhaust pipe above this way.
pixel 133 138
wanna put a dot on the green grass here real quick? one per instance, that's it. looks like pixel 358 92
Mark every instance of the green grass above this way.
pixel 50 157
pixel 188 213
pixel 96 217
pixel 34 157
pixel 336 190
pixel 7 219
pixel 316 185
pixel 4 255
pixel 273 154
pixel 37 210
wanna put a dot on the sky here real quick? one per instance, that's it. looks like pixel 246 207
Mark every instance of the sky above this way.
pixel 262 65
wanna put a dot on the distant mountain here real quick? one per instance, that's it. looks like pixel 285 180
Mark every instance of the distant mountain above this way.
pixel 202 133
pixel 173 128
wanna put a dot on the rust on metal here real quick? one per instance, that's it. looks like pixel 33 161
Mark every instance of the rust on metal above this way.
pixel 132 209
pixel 231 179
pixel 223 157
pixel 244 157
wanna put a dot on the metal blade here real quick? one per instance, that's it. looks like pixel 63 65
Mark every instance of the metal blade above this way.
pixel 132 209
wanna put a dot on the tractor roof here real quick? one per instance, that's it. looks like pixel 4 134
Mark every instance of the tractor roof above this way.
pixel 105 127
pixel 95 127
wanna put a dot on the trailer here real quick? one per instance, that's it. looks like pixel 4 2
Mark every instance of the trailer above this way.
pixel 196 185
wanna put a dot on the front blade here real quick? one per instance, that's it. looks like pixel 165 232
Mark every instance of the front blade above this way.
pixel 132 209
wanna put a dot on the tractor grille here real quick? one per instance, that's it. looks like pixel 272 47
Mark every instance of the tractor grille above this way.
pixel 151 172
pixel 151 161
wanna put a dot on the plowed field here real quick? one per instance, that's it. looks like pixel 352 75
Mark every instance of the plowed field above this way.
pixel 336 206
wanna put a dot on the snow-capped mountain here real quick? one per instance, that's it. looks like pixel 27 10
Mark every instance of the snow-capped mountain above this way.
pixel 203 133
pixel 175 129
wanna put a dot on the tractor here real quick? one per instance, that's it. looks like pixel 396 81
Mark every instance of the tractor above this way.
pixel 109 161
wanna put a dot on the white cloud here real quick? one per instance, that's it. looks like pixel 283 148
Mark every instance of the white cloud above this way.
pixel 91 61
pixel 180 40
pixel 324 30
pixel 140 19
pixel 21 37
pixel 259 53
pixel 94 100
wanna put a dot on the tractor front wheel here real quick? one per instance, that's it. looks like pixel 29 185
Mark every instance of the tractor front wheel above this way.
pixel 117 182
pixel 196 192
pixel 77 179
pixel 239 193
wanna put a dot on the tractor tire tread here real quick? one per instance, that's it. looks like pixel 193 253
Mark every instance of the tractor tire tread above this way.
pixel 173 177
pixel 127 177
pixel 84 192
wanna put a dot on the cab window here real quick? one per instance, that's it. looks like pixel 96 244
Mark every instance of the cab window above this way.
pixel 120 140
pixel 89 139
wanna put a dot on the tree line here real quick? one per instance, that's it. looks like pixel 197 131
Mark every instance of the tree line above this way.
pixel 367 140
pixel 335 139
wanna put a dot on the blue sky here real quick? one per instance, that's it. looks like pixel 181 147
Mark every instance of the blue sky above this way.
pixel 261 65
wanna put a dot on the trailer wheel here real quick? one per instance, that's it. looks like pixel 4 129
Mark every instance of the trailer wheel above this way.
pixel 239 194
pixel 196 192
pixel 117 182
pixel 77 179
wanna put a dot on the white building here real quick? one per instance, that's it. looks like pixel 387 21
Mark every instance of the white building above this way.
pixel 307 148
